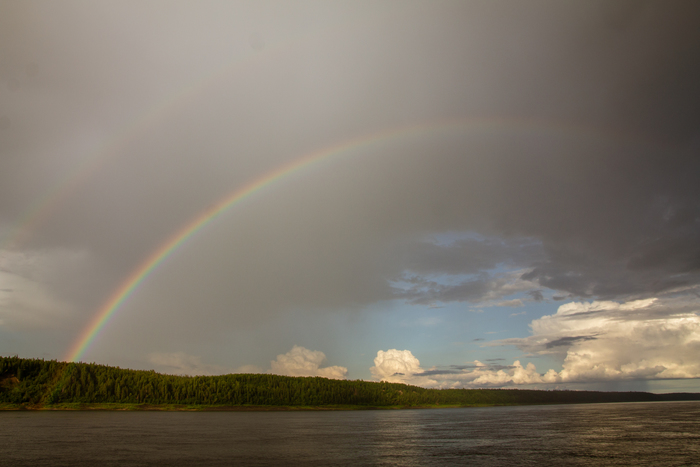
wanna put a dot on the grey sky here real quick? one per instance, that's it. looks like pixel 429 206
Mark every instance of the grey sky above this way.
pixel 575 173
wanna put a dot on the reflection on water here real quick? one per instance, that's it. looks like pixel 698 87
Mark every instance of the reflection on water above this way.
pixel 661 433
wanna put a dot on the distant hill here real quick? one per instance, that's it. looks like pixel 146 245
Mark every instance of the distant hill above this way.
pixel 34 383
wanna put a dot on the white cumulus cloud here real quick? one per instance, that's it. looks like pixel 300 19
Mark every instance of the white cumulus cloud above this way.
pixel 604 340
pixel 297 362
pixel 304 362
pixel 599 341
pixel 516 374
pixel 399 366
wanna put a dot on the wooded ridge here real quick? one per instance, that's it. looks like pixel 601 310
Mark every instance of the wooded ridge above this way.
pixel 38 383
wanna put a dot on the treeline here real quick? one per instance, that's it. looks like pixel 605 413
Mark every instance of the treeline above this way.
pixel 39 382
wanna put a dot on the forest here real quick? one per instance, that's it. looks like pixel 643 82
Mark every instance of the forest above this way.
pixel 36 383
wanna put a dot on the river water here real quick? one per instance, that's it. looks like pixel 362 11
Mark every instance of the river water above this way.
pixel 654 434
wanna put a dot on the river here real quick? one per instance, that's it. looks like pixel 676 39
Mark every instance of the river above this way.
pixel 653 434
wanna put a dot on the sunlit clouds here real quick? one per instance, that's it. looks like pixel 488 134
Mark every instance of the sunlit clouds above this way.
pixel 397 366
pixel 643 339
pixel 299 361
pixel 597 341
pixel 304 362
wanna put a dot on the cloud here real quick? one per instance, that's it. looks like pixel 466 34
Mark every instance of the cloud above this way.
pixel 304 362
pixel 394 362
pixel 567 341
pixel 182 364
pixel 606 341
pixel 599 341
pixel 514 375
pixel 475 375
pixel 399 366
pixel 470 255
pixel 486 288
pixel 297 362
pixel 536 295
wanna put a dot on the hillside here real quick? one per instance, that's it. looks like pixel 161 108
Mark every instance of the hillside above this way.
pixel 38 383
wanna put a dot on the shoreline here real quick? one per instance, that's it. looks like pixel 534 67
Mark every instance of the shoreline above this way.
pixel 118 407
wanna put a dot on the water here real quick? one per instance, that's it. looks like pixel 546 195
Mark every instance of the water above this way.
pixel 658 434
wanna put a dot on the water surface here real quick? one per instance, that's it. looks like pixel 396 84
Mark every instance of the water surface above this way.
pixel 656 433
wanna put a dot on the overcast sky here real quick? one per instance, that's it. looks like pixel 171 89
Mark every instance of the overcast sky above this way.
pixel 520 206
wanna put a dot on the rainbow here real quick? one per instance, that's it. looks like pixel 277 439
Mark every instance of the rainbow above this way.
pixel 139 275
pixel 48 202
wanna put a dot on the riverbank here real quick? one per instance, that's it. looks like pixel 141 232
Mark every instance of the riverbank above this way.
pixel 214 408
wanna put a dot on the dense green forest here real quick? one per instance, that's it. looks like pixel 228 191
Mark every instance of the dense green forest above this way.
pixel 39 383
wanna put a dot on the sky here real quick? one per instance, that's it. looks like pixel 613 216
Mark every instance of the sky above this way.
pixel 445 193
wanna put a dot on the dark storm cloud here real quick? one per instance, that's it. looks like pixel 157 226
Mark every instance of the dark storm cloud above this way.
pixel 461 369
pixel 536 295
pixel 484 287
pixel 567 341
pixel 437 372
pixel 488 366
pixel 469 256
pixel 591 189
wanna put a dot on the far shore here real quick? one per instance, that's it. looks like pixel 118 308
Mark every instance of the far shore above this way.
pixel 117 407
pixel 213 408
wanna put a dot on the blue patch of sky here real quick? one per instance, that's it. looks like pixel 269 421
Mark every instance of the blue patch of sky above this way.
pixel 451 334
pixel 457 332
pixel 441 279
pixel 439 334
